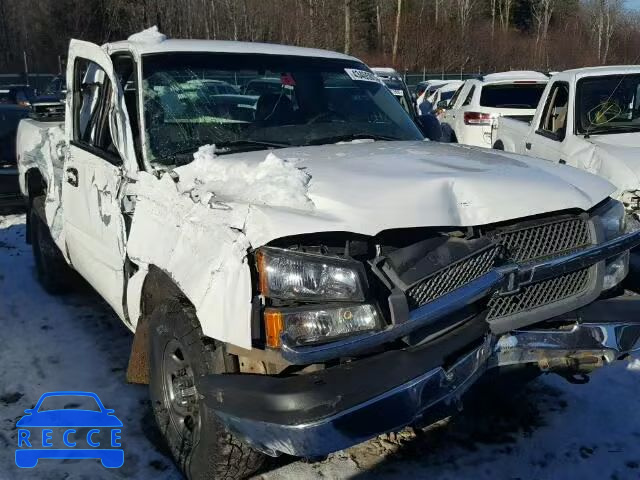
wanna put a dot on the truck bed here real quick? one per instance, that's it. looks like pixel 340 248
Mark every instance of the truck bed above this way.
pixel 511 131
pixel 40 144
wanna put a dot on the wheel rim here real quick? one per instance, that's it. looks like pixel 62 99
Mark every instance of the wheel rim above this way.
pixel 179 390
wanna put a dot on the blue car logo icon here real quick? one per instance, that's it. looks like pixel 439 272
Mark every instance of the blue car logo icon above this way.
pixel 69 433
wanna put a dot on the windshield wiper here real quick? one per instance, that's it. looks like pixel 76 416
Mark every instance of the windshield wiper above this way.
pixel 612 129
pixel 185 155
pixel 244 145
pixel 350 136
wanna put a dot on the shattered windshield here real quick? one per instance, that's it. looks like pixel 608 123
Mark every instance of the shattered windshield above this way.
pixel 243 102
pixel 608 104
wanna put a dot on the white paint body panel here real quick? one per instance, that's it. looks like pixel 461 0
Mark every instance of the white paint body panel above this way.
pixel 356 187
pixel 615 157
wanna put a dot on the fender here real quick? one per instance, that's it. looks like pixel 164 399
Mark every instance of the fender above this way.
pixel 157 286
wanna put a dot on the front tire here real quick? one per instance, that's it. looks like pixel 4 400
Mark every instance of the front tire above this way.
pixel 54 274
pixel 179 356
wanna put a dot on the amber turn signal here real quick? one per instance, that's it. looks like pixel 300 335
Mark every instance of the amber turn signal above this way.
pixel 262 273
pixel 274 326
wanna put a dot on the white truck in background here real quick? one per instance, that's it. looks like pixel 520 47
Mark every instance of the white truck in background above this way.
pixel 588 118
pixel 469 116
pixel 302 270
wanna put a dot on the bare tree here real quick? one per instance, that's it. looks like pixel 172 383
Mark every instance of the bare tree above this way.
pixel 379 26
pixel 369 29
pixel 542 10
pixel 493 18
pixel 347 26
pixel 438 3
pixel 394 52
pixel 504 7
pixel 605 15
pixel 464 8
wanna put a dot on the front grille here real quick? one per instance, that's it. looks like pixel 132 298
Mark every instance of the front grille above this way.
pixel 451 277
pixel 543 241
pixel 539 294
pixel 522 243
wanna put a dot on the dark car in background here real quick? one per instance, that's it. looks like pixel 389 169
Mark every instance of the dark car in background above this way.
pixel 16 95
pixel 395 83
pixel 263 86
pixel 10 116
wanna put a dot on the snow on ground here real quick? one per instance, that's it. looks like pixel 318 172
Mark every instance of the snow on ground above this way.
pixel 553 430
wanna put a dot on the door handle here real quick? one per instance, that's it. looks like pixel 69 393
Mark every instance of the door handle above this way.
pixel 527 145
pixel 72 176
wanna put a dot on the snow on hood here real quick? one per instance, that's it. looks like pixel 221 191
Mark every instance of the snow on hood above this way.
pixel 273 181
pixel 617 158
pixel 368 188
pixel 149 36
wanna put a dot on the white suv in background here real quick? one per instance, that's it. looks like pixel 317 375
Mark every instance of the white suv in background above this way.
pixel 479 102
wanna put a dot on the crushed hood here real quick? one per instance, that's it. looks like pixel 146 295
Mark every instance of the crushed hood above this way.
pixel 200 222
pixel 370 187
pixel 617 158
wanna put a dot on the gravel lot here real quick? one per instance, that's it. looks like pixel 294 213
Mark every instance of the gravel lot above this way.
pixel 552 430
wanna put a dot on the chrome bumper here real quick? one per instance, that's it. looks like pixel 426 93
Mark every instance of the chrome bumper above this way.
pixel 506 278
pixel 585 340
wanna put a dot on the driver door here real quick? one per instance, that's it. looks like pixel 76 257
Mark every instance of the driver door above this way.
pixel 547 140
pixel 96 172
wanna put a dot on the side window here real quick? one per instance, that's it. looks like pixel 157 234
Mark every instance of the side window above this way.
pixel 91 97
pixel 454 99
pixel 553 122
pixel 467 101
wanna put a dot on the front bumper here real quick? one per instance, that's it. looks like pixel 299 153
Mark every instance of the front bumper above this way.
pixel 315 414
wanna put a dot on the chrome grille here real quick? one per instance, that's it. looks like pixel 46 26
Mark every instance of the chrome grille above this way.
pixel 533 242
pixel 539 294
pixel 547 240
pixel 451 277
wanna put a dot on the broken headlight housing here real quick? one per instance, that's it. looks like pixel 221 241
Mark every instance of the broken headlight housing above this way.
pixel 332 289
pixel 613 220
pixel 290 275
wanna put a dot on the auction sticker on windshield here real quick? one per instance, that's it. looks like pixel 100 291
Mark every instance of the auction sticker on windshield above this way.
pixel 69 425
pixel 361 75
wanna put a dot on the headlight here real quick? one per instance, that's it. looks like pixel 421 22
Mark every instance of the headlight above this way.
pixel 616 270
pixel 285 274
pixel 315 325
pixel 612 217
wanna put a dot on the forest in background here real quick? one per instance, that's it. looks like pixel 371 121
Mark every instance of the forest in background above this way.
pixel 416 35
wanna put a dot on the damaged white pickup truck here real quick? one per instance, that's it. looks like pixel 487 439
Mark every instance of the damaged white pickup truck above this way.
pixel 301 269
pixel 588 118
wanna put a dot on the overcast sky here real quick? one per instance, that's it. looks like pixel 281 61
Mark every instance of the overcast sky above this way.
pixel 635 4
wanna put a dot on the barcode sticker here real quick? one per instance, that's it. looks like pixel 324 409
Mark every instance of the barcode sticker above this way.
pixel 362 75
